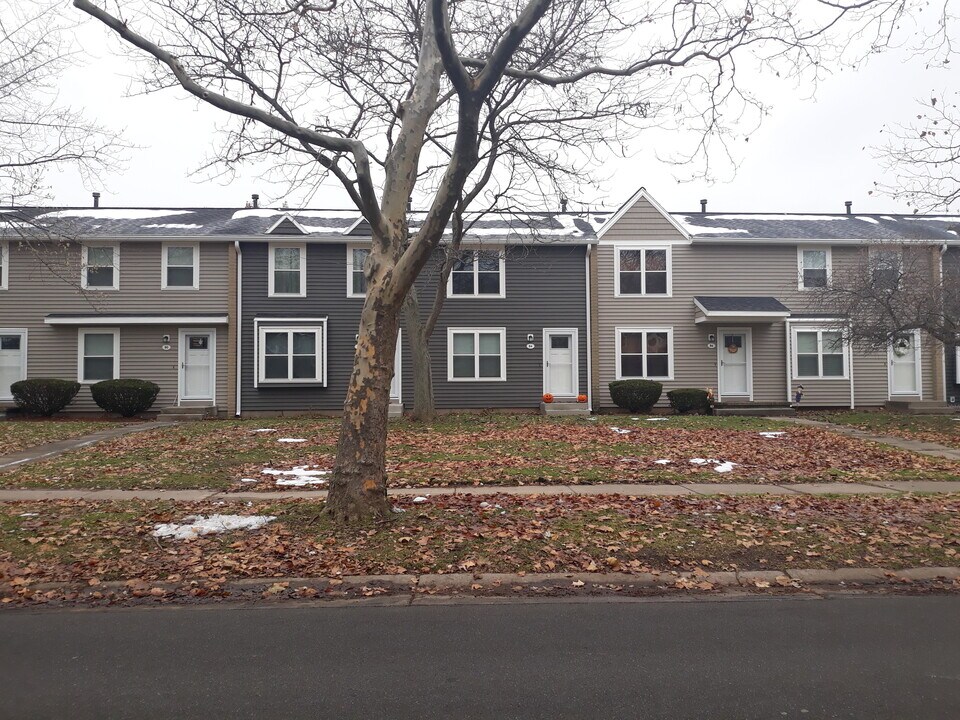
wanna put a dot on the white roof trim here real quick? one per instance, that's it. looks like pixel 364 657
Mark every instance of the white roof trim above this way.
pixel 641 193
pixel 286 216
pixel 84 321
pixel 353 226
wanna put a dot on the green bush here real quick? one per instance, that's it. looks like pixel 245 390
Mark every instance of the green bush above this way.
pixel 636 396
pixel 44 396
pixel 685 400
pixel 128 397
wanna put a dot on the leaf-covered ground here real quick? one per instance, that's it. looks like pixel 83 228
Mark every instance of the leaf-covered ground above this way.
pixel 89 543
pixel 17 435
pixel 485 449
pixel 941 429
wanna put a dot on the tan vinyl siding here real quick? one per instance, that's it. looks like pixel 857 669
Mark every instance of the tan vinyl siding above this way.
pixel 45 281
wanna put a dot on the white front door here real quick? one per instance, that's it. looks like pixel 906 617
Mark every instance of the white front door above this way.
pixel 736 369
pixel 560 377
pixel 13 360
pixel 904 357
pixel 395 384
pixel 197 364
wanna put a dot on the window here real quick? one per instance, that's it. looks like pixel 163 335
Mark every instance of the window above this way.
pixel 478 274
pixel 814 267
pixel 181 266
pixel 99 353
pixel 356 279
pixel 4 265
pixel 13 359
pixel 643 271
pixel 292 354
pixel 288 271
pixel 885 268
pixel 476 354
pixel 101 267
pixel 818 353
pixel 644 353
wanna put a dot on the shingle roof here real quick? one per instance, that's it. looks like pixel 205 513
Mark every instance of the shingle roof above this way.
pixel 744 304
pixel 508 227
pixel 759 226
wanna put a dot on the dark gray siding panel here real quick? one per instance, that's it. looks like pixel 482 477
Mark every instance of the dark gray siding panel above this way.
pixel 951 278
pixel 545 288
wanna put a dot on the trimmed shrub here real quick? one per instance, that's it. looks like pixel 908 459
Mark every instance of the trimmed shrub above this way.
pixel 128 397
pixel 685 400
pixel 636 396
pixel 44 396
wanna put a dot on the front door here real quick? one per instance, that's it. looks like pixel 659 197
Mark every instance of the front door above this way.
pixel 13 360
pixel 395 384
pixel 735 365
pixel 197 364
pixel 560 363
pixel 905 365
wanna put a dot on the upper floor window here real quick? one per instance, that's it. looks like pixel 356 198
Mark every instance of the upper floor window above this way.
pixel 99 355
pixel 814 267
pixel 643 271
pixel 101 267
pixel 885 267
pixel 478 273
pixel 181 266
pixel 818 353
pixel 644 353
pixel 356 279
pixel 4 265
pixel 288 270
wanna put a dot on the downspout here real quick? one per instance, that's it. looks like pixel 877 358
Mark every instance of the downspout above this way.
pixel 589 332
pixel 853 397
pixel 236 245
pixel 788 351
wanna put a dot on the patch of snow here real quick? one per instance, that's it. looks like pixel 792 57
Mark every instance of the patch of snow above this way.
pixel 249 480
pixel 620 431
pixel 698 461
pixel 724 467
pixel 868 219
pixel 29 514
pixel 174 226
pixel 115 213
pixel 773 433
pixel 195 526
pixel 291 440
pixel 322 229
pixel 663 462
pixel 300 481
pixel 657 419
pixel 709 230
pixel 419 499
pixel 265 430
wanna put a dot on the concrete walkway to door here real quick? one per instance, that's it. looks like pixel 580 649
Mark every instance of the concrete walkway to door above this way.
pixel 920 447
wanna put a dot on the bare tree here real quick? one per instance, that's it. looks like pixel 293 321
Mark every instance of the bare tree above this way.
pixel 389 98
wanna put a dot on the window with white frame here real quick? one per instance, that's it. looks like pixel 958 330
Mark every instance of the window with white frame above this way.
pixel 4 265
pixel 291 354
pixel 814 267
pixel 644 353
pixel 478 273
pixel 476 354
pixel 99 355
pixel 818 353
pixel 101 267
pixel 356 278
pixel 13 359
pixel 643 271
pixel 181 266
pixel 288 270
pixel 885 267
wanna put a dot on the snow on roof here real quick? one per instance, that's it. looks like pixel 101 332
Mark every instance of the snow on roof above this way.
pixel 840 226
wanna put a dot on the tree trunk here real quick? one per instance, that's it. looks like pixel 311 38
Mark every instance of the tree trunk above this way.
pixel 358 489
pixel 424 403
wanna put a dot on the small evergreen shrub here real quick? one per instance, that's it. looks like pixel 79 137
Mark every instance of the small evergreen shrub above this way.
pixel 689 400
pixel 44 396
pixel 636 396
pixel 128 397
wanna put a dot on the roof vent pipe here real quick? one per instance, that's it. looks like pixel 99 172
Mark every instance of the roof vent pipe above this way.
pixel 256 200
pixel 703 206
pixel 96 199
pixel 849 205
pixel 563 204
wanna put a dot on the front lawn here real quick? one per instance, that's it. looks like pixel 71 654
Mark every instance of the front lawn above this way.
pixel 20 434
pixel 940 429
pixel 484 449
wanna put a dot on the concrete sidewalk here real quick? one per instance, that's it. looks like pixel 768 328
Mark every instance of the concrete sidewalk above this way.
pixel 921 447
pixel 628 489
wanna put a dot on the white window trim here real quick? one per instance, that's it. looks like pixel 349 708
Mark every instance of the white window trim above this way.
pixel 819 329
pixel 813 248
pixel 956 365
pixel 476 294
pixel 4 265
pixel 502 332
pixel 163 265
pixel 81 333
pixel 116 266
pixel 350 248
pixel 575 339
pixel 643 275
pixel 264 325
pixel 618 331
pixel 302 247
pixel 918 370
pixel 24 339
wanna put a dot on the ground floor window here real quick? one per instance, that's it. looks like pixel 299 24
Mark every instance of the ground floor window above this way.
pixel 476 354
pixel 818 353
pixel 644 353
pixel 99 355
pixel 13 360
pixel 291 354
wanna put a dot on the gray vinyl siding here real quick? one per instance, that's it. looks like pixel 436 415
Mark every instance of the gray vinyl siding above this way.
pixel 44 281
pixel 545 288
pixel 951 277
pixel 725 269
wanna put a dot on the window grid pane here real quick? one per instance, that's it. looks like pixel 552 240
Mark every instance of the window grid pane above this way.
pixel 476 355
pixel 286 282
pixel 291 355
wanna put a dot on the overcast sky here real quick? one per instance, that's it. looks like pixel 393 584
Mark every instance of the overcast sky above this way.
pixel 810 155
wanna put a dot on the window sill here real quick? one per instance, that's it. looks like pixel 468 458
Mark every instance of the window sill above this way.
pixel 476 380
pixel 290 383
pixel 645 296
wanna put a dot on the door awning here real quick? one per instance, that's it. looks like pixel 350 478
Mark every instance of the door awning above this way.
pixel 133 319
pixel 739 308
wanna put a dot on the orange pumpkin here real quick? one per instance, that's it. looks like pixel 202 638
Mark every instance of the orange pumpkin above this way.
pixel 547 398
pixel 581 398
